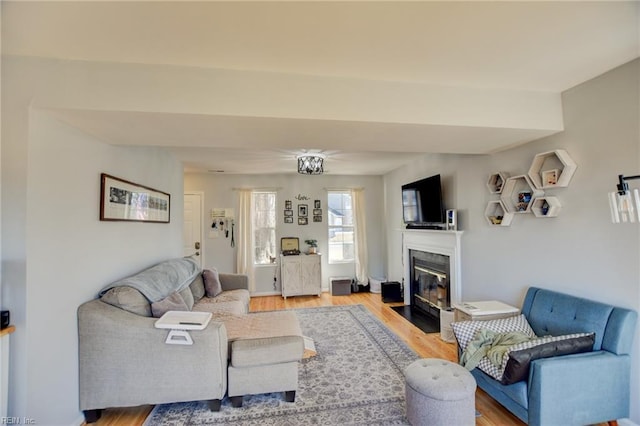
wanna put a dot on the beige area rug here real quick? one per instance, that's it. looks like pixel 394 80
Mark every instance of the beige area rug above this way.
pixel 355 378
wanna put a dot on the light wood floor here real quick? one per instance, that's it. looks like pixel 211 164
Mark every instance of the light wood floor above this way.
pixel 426 345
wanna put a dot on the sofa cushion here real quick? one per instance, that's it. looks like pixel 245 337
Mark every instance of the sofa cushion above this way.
pixel 466 330
pixel 520 356
pixel 231 307
pixel 212 284
pixel 516 360
pixel 197 288
pixel 237 295
pixel 129 299
pixel 173 302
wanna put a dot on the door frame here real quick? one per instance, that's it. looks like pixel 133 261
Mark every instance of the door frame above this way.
pixel 202 242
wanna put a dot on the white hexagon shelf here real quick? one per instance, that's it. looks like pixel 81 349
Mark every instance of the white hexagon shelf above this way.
pixel 496 182
pixel 518 193
pixel 497 215
pixel 546 207
pixel 553 169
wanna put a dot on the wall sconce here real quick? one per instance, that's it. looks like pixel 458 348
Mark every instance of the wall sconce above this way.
pixel 624 207
pixel 310 164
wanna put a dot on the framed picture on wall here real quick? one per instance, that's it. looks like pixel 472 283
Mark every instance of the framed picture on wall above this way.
pixel 302 210
pixel 288 219
pixel 303 221
pixel 287 205
pixel 288 213
pixel 317 218
pixel 316 204
pixel 317 212
pixel 121 200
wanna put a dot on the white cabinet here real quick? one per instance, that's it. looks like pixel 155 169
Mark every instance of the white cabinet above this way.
pixel 300 275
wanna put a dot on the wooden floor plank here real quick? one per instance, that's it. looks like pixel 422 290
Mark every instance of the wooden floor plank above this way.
pixel 426 345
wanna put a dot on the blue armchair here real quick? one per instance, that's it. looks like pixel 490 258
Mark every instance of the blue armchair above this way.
pixel 576 389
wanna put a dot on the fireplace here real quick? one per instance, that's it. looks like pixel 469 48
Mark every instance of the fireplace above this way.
pixel 429 281
pixel 441 259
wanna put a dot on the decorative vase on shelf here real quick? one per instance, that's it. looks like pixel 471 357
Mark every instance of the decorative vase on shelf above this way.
pixel 313 250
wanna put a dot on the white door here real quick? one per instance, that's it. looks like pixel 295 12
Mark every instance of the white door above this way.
pixel 192 233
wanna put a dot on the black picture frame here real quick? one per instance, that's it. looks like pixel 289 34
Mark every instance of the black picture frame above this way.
pixel 303 210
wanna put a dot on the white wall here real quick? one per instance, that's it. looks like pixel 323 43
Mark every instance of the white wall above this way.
pixel 580 252
pixel 56 253
pixel 218 193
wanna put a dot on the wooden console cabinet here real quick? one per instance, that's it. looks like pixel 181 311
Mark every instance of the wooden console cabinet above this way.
pixel 301 275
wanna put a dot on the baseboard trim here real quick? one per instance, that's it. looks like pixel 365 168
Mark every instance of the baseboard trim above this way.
pixel 626 422
pixel 266 293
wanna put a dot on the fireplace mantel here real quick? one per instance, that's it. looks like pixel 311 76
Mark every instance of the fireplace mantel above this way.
pixel 434 241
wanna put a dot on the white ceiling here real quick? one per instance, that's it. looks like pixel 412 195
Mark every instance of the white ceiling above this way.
pixel 515 47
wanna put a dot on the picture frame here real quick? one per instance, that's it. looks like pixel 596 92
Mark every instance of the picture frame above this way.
pixel 550 177
pixel 317 218
pixel 288 213
pixel 288 219
pixel 302 210
pixel 317 212
pixel 122 200
pixel 316 204
pixel 287 205
pixel 303 221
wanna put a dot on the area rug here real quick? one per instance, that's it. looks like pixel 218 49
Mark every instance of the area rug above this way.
pixel 355 379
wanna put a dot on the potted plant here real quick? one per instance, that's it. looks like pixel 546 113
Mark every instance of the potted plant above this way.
pixel 313 245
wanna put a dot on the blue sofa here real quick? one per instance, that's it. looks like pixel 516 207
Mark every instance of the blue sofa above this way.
pixel 576 389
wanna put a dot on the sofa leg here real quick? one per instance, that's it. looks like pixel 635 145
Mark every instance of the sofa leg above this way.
pixel 215 404
pixel 290 396
pixel 236 401
pixel 613 423
pixel 92 416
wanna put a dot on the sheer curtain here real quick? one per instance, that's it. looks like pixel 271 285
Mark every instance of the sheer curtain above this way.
pixel 360 227
pixel 244 259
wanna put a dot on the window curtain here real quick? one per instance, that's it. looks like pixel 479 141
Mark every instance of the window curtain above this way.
pixel 244 258
pixel 360 228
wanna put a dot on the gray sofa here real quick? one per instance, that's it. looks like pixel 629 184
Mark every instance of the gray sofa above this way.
pixel 124 360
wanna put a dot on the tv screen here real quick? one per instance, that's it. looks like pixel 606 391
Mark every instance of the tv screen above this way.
pixel 422 202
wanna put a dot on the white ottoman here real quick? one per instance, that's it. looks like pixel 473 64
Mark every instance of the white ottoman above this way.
pixel 439 393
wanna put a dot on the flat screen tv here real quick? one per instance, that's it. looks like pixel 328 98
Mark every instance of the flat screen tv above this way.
pixel 422 205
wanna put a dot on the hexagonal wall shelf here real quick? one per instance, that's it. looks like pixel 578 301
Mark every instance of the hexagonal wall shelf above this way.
pixel 553 169
pixel 546 207
pixel 518 193
pixel 496 182
pixel 497 215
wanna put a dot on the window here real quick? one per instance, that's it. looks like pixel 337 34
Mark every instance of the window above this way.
pixel 264 227
pixel 341 231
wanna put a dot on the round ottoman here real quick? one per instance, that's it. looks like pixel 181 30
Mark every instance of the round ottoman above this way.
pixel 439 393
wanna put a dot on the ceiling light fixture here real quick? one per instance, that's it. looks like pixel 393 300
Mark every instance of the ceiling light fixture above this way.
pixel 624 207
pixel 310 164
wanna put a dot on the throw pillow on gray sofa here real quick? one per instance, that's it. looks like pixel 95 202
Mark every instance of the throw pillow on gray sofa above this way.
pixel 212 284
pixel 197 288
pixel 129 299
pixel 173 302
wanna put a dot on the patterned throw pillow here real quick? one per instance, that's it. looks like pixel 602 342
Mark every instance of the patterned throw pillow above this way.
pixel 466 330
